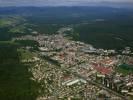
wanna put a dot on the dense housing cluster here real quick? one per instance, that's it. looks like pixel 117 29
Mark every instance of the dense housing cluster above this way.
pixel 73 69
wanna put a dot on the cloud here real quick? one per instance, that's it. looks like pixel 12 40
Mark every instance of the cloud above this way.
pixel 58 2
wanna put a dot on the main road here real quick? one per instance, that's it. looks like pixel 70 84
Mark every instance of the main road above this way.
pixel 86 78
pixel 100 86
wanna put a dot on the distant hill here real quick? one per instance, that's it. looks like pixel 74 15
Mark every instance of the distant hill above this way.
pixel 60 11
pixel 103 27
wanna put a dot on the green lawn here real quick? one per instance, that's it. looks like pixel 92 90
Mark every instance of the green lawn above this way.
pixel 125 69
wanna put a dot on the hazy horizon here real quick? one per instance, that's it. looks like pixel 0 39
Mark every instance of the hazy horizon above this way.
pixel 54 3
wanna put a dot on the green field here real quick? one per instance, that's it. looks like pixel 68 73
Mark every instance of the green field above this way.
pixel 4 22
pixel 125 69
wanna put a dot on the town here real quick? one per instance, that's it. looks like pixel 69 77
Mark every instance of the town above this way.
pixel 73 69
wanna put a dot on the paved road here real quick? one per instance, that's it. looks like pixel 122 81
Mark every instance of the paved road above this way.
pixel 97 84
pixel 101 86
pixel 94 83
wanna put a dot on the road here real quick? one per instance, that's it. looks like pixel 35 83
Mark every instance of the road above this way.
pixel 101 86
pixel 91 81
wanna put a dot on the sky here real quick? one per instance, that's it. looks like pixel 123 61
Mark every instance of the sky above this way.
pixel 64 2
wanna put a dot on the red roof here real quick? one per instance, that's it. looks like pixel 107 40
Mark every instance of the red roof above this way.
pixel 102 70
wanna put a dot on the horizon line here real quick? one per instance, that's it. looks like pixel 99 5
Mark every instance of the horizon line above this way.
pixel 100 4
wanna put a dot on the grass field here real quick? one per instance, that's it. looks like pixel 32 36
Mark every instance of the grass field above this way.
pixel 125 69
